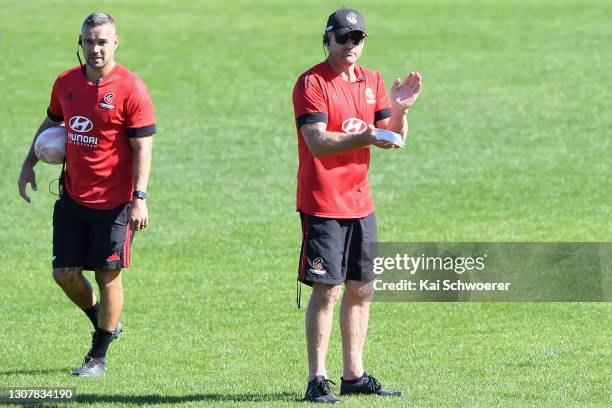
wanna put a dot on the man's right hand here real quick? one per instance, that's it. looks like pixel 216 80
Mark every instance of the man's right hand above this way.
pixel 26 176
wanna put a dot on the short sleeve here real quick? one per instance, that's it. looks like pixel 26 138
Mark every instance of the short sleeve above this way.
pixel 140 112
pixel 309 102
pixel 383 108
pixel 54 111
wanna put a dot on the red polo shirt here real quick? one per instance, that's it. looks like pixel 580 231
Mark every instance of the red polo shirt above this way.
pixel 336 186
pixel 100 118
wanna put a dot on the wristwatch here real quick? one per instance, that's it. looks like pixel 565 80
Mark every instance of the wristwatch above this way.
pixel 140 195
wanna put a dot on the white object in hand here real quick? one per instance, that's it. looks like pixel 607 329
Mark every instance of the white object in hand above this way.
pixel 389 136
pixel 50 146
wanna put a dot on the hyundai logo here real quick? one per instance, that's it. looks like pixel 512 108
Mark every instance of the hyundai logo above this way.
pixel 353 126
pixel 80 124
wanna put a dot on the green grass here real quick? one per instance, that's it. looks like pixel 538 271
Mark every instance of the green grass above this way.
pixel 510 141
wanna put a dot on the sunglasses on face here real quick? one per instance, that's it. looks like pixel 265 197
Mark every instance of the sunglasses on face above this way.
pixel 355 36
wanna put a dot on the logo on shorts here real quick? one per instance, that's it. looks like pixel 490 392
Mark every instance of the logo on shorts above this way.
pixel 107 101
pixel 354 126
pixel 113 258
pixel 80 124
pixel 317 267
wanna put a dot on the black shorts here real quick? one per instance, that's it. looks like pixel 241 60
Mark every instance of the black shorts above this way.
pixel 335 250
pixel 90 238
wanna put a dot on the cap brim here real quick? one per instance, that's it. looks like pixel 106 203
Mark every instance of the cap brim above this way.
pixel 346 30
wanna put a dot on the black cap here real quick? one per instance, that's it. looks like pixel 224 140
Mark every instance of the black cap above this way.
pixel 344 21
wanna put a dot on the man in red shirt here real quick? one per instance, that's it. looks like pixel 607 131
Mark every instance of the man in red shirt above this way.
pixel 337 106
pixel 109 120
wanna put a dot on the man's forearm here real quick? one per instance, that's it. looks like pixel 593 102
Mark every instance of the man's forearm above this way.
pixel 329 143
pixel 142 165
pixel 398 122
pixel 31 156
pixel 142 168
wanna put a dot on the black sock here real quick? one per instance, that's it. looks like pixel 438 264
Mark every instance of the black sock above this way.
pixel 355 381
pixel 92 313
pixel 100 344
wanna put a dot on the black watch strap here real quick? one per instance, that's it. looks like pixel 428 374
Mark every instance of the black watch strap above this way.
pixel 139 194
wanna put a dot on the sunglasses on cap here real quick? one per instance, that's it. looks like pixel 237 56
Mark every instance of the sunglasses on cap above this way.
pixel 355 36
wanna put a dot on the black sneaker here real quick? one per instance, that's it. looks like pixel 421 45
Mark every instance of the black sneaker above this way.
pixel 318 391
pixel 92 367
pixel 366 385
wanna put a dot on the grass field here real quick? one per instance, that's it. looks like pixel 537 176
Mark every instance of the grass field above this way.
pixel 510 141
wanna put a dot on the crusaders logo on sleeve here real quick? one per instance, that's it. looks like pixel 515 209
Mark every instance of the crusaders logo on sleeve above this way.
pixel 107 101
pixel 354 126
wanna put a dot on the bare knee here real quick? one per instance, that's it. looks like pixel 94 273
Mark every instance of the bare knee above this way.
pixel 359 292
pixel 326 295
pixel 108 278
pixel 66 276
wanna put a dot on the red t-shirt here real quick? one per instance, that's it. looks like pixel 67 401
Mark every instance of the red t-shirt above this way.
pixel 336 186
pixel 100 118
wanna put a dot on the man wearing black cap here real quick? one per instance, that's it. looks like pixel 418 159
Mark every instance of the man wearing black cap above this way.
pixel 337 107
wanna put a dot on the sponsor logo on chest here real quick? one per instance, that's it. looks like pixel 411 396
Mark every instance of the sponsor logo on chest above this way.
pixel 107 101
pixel 80 125
pixel 369 96
pixel 354 126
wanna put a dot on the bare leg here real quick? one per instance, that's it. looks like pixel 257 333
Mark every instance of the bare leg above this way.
pixel 75 286
pixel 319 319
pixel 354 314
pixel 111 298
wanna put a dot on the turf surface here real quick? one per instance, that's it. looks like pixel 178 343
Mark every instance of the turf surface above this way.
pixel 510 141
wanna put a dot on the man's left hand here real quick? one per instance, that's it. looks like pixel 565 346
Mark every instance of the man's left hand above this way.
pixel 404 94
pixel 139 215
